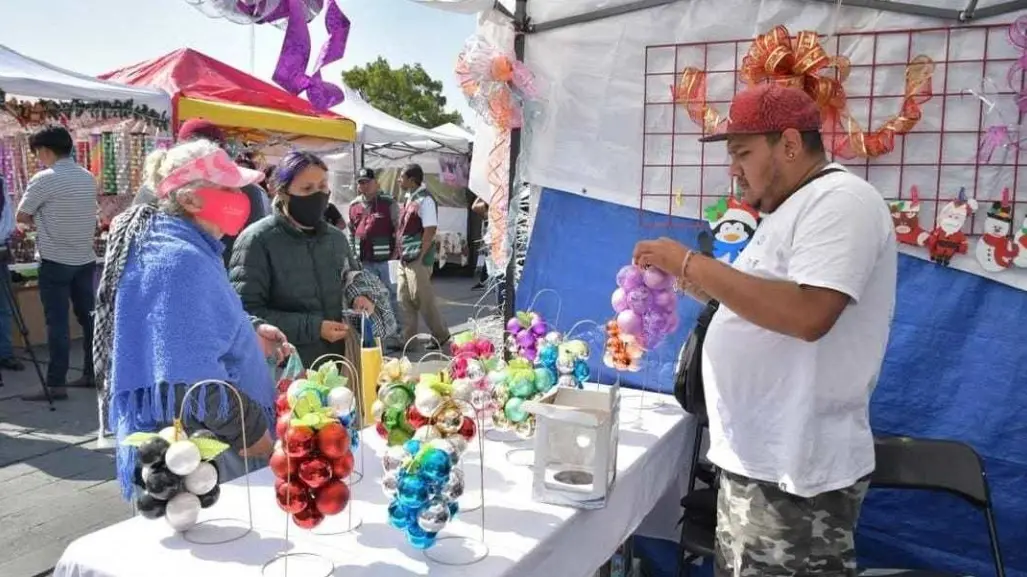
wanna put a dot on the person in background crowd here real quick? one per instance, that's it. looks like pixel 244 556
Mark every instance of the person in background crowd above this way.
pixel 196 129
pixel 246 160
pixel 60 203
pixel 7 229
pixel 373 219
pixel 167 317
pixel 481 208
pixel 297 272
pixel 806 308
pixel 415 249
pixel 333 216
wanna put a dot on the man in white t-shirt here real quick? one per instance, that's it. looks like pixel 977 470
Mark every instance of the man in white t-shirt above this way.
pixel 791 356
pixel 415 249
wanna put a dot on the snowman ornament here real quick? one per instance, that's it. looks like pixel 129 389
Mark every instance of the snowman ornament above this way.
pixel 996 250
pixel 733 224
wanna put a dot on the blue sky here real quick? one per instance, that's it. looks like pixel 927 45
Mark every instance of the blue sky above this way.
pixel 95 36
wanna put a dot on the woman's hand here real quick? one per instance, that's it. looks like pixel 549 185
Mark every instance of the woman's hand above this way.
pixel 274 343
pixel 334 331
pixel 364 305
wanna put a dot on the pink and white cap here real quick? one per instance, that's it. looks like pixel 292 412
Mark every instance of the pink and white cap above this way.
pixel 216 168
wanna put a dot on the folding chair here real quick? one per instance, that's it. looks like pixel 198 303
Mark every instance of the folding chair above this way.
pixel 699 520
pixel 935 465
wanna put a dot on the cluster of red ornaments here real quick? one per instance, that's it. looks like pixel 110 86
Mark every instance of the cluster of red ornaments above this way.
pixel 310 467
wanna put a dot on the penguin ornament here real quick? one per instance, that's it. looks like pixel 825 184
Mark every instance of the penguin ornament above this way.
pixel 733 224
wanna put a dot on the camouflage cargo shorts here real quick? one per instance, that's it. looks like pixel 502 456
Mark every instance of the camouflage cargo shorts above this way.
pixel 762 530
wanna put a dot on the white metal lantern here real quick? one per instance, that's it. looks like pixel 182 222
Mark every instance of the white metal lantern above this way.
pixel 575 446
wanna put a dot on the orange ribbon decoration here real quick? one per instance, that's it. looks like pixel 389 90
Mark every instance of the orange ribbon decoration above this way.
pixel 691 91
pixel 801 62
pixel 854 142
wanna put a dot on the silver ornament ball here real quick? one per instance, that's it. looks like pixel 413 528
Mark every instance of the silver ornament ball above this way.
pixel 434 516
pixel 454 487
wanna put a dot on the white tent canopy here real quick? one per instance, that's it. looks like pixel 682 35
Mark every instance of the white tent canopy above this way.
pixel 392 138
pixel 30 78
pixel 451 129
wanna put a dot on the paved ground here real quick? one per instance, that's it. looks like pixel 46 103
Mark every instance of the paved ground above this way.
pixel 55 485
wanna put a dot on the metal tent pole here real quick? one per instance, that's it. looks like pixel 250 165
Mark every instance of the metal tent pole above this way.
pixel 520 23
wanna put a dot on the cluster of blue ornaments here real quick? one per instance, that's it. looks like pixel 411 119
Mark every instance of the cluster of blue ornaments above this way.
pixel 425 482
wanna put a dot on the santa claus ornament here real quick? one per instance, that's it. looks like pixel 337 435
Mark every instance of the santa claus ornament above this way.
pixel 733 223
pixel 948 239
pixel 905 217
pixel 996 250
pixel 313 460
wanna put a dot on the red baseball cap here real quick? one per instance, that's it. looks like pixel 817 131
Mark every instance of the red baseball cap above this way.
pixel 196 128
pixel 768 108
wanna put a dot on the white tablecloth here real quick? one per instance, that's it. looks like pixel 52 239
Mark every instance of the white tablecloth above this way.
pixel 525 538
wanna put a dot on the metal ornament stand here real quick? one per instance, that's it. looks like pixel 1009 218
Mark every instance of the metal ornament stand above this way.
pixel 506 436
pixel 308 563
pixel 358 398
pixel 199 533
pixel 458 550
pixel 328 526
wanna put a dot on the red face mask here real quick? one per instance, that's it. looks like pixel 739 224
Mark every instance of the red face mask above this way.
pixel 224 209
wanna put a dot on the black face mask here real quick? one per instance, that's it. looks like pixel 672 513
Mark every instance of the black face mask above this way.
pixel 308 210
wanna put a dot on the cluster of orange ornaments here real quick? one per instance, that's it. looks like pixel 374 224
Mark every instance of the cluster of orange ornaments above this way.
pixel 622 351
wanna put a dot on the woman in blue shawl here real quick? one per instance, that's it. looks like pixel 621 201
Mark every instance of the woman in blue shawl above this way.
pixel 167 317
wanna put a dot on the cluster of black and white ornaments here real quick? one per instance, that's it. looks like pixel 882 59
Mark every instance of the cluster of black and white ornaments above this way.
pixel 175 474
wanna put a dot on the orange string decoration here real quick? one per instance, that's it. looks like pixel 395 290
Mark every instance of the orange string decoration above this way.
pixel 802 62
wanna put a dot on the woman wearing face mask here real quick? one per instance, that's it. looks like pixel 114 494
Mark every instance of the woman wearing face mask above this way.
pixel 296 271
pixel 167 317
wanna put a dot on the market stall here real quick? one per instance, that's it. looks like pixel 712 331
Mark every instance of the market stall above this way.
pixel 520 535
pixel 114 127
pixel 255 114
pixel 937 88
pixel 388 144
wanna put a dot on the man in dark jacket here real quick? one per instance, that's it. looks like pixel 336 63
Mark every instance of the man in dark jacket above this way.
pixel 196 129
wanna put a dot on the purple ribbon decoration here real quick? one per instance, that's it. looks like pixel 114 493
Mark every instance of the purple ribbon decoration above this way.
pixel 1018 38
pixel 994 137
pixel 290 72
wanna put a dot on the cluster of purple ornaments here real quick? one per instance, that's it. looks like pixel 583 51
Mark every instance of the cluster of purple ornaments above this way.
pixel 526 330
pixel 646 305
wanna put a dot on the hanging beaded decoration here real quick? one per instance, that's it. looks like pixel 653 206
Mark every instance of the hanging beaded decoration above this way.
pixel 95 155
pixel 123 155
pixel 109 167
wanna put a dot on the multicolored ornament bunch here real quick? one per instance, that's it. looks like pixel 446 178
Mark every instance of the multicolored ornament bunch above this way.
pixel 511 387
pixel 175 474
pixel 313 455
pixel 566 361
pixel 424 481
pixel 525 332
pixel 425 410
pixel 395 399
pixel 646 310
pixel 473 358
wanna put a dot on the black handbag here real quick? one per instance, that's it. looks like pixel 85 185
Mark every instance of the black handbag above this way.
pixel 688 383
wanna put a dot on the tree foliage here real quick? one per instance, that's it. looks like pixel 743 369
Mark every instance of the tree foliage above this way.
pixel 407 93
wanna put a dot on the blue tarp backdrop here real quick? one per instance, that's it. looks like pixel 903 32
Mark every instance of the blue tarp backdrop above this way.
pixel 956 368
